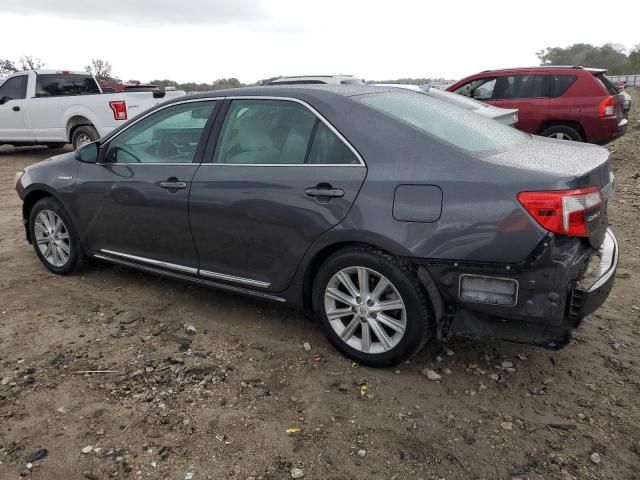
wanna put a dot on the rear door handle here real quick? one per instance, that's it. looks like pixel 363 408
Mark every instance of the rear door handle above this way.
pixel 173 185
pixel 16 108
pixel 325 192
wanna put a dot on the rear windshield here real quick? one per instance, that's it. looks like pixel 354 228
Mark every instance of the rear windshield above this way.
pixel 608 84
pixel 55 85
pixel 457 126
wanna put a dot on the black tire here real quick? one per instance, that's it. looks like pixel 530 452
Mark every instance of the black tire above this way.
pixel 417 304
pixel 76 257
pixel 561 132
pixel 82 134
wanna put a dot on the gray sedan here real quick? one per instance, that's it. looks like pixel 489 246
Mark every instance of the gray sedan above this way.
pixel 391 217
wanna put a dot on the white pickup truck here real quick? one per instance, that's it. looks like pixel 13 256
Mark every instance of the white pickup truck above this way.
pixel 46 107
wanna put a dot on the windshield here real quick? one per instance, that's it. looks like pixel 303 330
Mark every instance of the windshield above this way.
pixel 454 125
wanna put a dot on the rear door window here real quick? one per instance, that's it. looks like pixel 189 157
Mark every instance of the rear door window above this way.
pixel 520 86
pixel 560 84
pixel 55 85
pixel 278 132
pixel 15 88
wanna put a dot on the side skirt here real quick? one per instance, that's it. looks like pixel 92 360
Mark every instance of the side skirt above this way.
pixel 188 278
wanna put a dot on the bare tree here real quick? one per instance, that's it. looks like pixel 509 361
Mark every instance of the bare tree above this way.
pixel 7 67
pixel 101 70
pixel 29 62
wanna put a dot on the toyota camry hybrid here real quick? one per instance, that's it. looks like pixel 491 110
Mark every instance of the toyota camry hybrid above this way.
pixel 389 216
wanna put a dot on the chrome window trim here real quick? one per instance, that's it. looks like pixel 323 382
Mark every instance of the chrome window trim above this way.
pixel 157 263
pixel 318 115
pixel 249 97
pixel 149 163
pixel 233 278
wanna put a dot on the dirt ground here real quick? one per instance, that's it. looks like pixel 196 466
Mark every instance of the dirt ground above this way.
pixel 217 404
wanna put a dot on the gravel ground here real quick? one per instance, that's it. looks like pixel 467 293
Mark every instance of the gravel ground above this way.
pixel 243 398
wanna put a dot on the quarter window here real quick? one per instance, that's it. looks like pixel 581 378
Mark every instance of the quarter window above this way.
pixel 561 83
pixel 327 148
pixel 170 135
pixel 14 88
pixel 277 132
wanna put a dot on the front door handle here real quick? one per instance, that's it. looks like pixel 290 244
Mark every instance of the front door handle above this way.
pixel 16 108
pixel 173 184
pixel 324 191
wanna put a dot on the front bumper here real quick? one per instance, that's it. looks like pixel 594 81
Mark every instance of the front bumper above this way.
pixel 596 283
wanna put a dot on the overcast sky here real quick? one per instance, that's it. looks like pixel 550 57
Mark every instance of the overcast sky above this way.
pixel 201 40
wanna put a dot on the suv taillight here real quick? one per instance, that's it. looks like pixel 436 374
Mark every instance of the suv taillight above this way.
pixel 119 108
pixel 607 107
pixel 562 211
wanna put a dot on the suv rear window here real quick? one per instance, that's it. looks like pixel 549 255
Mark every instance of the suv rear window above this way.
pixel 456 126
pixel 55 85
pixel 561 83
pixel 607 83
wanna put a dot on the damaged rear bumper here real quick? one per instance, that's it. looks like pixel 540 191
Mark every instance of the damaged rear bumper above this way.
pixel 596 283
pixel 563 282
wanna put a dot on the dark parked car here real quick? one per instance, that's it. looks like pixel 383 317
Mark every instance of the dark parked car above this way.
pixel 569 103
pixel 392 217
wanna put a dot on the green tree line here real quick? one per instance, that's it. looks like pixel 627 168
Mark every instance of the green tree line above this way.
pixel 614 57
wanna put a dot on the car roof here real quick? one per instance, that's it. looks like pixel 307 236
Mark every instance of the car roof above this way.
pixel 328 79
pixel 548 68
pixel 293 91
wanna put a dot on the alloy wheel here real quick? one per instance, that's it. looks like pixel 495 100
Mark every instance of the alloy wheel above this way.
pixel 560 136
pixel 365 310
pixel 52 238
pixel 82 140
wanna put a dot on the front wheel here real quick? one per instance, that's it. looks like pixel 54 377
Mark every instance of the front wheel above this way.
pixel 54 237
pixel 372 307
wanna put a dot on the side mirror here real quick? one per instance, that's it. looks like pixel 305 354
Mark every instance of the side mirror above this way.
pixel 5 99
pixel 88 153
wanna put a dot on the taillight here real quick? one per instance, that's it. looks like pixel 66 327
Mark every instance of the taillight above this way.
pixel 119 108
pixel 607 107
pixel 562 211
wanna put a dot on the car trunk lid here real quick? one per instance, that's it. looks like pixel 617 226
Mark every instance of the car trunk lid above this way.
pixel 549 165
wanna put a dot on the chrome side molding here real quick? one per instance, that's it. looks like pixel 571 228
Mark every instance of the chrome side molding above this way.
pixel 190 270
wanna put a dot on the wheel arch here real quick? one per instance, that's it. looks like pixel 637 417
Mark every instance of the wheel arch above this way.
pixel 322 254
pixel 562 123
pixel 75 121
pixel 35 194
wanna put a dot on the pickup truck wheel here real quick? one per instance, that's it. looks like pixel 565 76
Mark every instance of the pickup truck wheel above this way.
pixel 372 307
pixel 54 237
pixel 83 135
pixel 562 132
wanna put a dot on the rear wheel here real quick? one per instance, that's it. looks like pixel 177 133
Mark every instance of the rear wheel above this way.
pixel 83 135
pixel 372 307
pixel 54 237
pixel 562 132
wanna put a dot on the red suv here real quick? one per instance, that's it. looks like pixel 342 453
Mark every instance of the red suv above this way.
pixel 569 103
